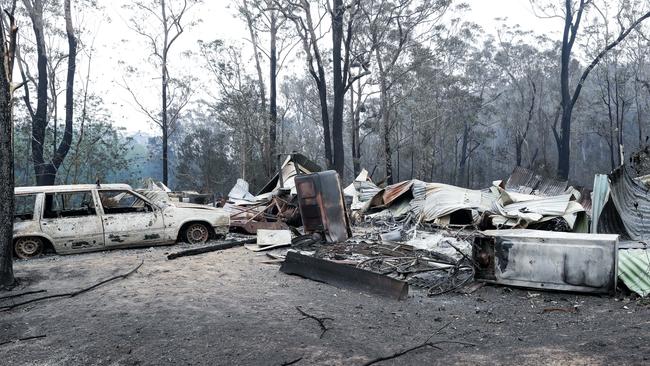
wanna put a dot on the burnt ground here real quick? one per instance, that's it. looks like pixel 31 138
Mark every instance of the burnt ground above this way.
pixel 228 308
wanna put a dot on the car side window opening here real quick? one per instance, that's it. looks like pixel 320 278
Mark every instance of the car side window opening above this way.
pixel 69 204
pixel 118 202
pixel 24 207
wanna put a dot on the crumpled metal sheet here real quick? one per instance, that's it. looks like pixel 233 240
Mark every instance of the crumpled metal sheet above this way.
pixel 632 202
pixel 361 190
pixel 293 165
pixel 526 181
pixel 240 191
pixel 400 198
pixel 517 209
pixel 634 270
pixel 155 192
pixel 600 195
pixel 155 196
pixel 443 199
pixel 389 194
pixel 366 190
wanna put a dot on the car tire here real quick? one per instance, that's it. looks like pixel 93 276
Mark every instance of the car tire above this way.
pixel 28 247
pixel 197 233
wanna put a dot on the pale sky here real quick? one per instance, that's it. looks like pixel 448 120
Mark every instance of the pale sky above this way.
pixel 116 43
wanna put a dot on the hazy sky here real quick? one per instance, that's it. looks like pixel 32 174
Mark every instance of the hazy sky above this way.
pixel 116 43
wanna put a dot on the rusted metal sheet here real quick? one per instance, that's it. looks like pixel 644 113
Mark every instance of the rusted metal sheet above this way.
pixel 526 181
pixel 393 192
pixel 251 227
pixel 321 204
pixel 343 275
pixel 271 215
pixel 547 260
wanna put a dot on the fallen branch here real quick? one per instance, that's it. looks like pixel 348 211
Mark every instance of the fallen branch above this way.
pixel 211 248
pixel 321 321
pixel 426 343
pixel 23 339
pixel 74 293
pixel 291 362
pixel 422 345
pixel 22 294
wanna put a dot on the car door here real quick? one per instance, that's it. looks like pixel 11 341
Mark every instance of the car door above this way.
pixel 72 221
pixel 130 220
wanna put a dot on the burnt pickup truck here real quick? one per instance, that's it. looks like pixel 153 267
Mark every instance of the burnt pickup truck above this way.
pixel 83 218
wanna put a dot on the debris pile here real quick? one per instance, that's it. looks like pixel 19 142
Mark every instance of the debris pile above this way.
pixel 524 200
pixel 527 230
pixel 275 206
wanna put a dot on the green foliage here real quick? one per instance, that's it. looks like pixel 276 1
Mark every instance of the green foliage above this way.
pixel 99 150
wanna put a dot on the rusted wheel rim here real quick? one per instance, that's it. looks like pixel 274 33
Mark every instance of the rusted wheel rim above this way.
pixel 197 234
pixel 28 247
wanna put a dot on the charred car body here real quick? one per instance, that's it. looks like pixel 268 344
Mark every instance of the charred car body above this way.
pixel 83 218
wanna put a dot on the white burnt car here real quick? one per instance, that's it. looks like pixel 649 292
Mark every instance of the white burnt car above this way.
pixel 83 218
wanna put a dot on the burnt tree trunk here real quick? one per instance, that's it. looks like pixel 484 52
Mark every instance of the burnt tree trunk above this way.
pixel 164 122
pixel 385 118
pixel 273 103
pixel 571 27
pixel 385 122
pixel 44 172
pixel 339 89
pixel 66 142
pixel 6 179
pixel 564 136
pixel 7 50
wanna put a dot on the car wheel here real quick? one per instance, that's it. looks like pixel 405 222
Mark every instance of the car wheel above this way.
pixel 197 234
pixel 29 247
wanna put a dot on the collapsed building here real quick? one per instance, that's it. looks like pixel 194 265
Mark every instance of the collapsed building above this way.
pixel 526 230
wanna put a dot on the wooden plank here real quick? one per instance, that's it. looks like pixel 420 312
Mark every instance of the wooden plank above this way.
pixel 210 248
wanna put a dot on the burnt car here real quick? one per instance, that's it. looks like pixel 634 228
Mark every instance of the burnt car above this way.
pixel 83 218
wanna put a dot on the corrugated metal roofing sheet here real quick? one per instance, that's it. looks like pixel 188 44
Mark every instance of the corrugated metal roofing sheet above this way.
pixel 634 270
pixel 526 181
pixel 632 203
pixel 443 199
pixel 599 198
pixel 393 192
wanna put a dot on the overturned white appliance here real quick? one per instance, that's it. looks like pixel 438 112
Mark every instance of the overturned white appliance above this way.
pixel 547 260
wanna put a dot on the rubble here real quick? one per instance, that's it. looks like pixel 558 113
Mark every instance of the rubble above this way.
pixel 442 238
pixel 526 200
pixel 275 206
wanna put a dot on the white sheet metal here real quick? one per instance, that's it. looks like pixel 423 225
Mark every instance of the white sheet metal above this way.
pixel 240 192
pixel 443 199
pixel 548 260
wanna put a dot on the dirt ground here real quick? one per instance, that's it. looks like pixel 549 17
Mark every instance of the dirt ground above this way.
pixel 228 308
